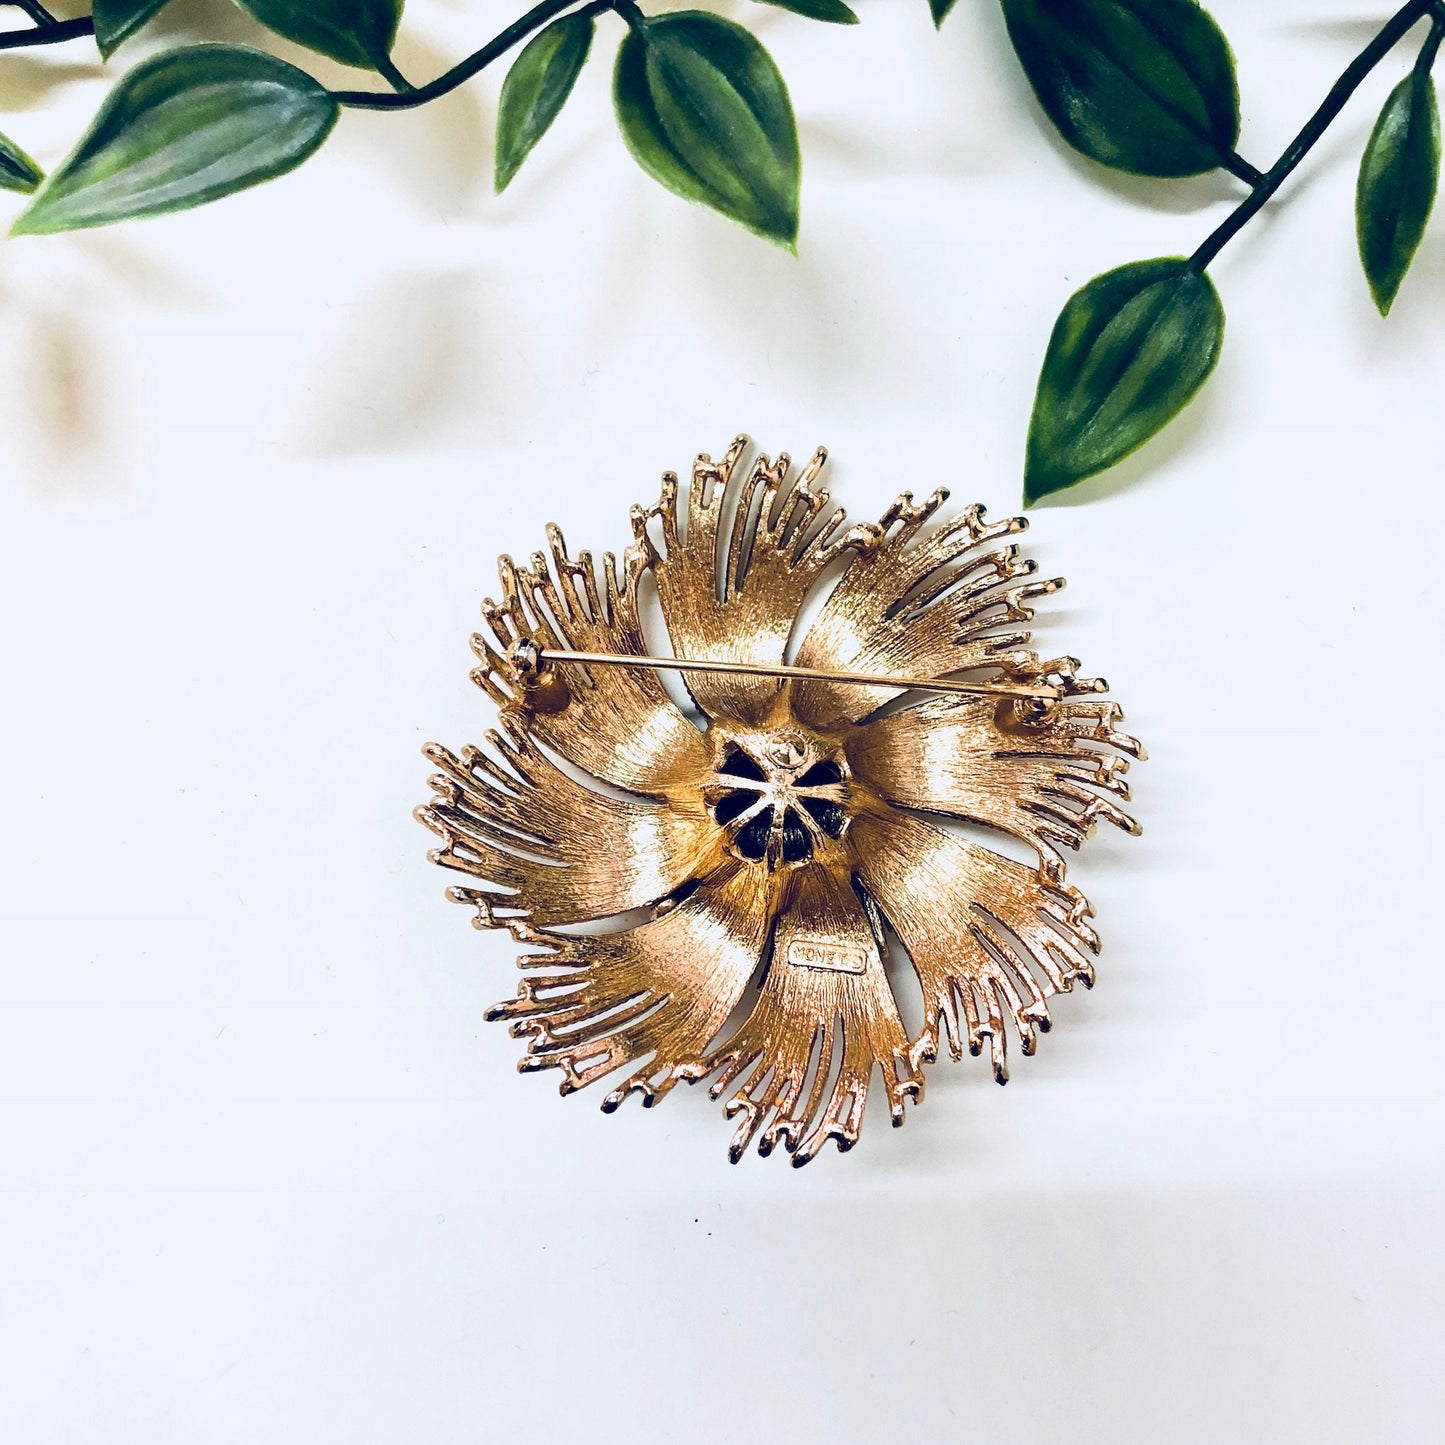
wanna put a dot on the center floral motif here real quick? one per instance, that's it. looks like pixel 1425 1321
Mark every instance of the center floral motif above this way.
pixel 780 797
pixel 711 893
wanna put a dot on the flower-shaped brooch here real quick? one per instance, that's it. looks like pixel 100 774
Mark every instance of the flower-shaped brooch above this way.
pixel 730 886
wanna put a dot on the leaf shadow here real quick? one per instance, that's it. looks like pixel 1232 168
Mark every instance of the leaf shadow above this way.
pixel 792 323
pixel 129 269
pixel 439 154
pixel 68 409
pixel 404 374
pixel 185 20
pixel 1181 197
pixel 556 163
pixel 30 81
pixel 1356 30
pixel 64 397
pixel 940 155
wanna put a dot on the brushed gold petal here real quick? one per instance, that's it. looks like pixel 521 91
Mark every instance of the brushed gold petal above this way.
pixel 509 816
pixel 650 998
pixel 620 727
pixel 804 1058
pixel 1047 776
pixel 990 939
pixel 733 572
pixel 923 604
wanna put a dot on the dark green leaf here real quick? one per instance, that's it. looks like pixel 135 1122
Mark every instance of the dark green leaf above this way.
pixel 1141 85
pixel 536 88
pixel 940 9
pixel 704 111
pixel 17 171
pixel 355 32
pixel 117 20
pixel 833 11
pixel 181 129
pixel 1398 179
pixel 1126 357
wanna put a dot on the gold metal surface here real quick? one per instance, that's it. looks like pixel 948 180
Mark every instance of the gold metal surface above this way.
pixel 739 892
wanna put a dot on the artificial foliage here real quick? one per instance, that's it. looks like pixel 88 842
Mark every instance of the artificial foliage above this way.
pixel 1143 86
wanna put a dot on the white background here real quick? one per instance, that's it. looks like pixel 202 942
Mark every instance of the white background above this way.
pixel 264 1172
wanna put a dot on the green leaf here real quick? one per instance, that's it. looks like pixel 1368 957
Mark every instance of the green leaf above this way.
pixel 1141 85
pixel 186 127
pixel 1398 179
pixel 17 171
pixel 1127 355
pixel 536 88
pixel 835 12
pixel 355 32
pixel 117 20
pixel 940 9
pixel 704 111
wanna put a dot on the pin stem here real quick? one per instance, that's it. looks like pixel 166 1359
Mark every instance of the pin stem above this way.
pixel 1046 691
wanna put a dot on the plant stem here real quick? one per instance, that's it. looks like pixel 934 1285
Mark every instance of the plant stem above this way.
pixel 1390 35
pixel 34 9
pixel 386 69
pixel 627 9
pixel 48 34
pixel 1425 61
pixel 459 74
pixel 1237 166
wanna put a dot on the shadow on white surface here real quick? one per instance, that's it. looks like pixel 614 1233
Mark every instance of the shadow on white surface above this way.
pixel 67 404
pixel 439 155
pixel 1349 34
pixel 854 146
pixel 187 21
pixel 411 360
pixel 124 263
pixel 31 83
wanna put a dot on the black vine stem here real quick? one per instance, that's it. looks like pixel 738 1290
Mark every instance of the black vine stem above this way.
pixel 1425 61
pixel 386 69
pixel 54 32
pixel 627 9
pixel 47 33
pixel 1389 37
pixel 1241 169
pixel 459 74
pixel 35 10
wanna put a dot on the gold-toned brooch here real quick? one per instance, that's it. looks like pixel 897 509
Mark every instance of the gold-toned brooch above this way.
pixel 720 887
